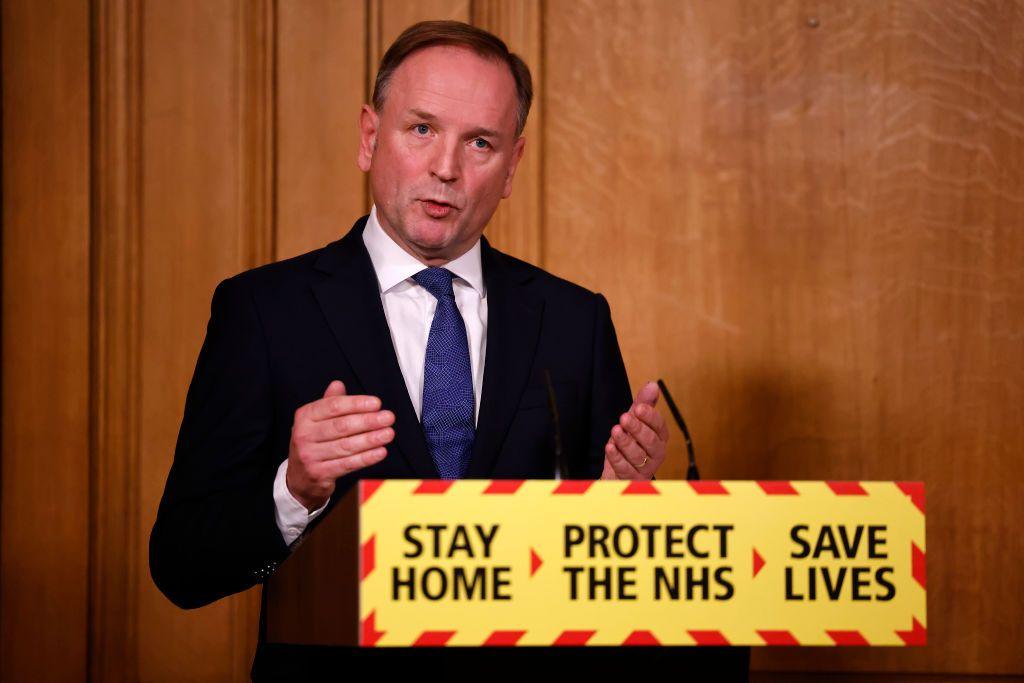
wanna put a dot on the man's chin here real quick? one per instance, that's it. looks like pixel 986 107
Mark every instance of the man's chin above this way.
pixel 429 244
pixel 432 235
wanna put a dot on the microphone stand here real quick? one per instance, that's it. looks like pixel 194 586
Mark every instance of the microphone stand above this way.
pixel 561 466
pixel 692 474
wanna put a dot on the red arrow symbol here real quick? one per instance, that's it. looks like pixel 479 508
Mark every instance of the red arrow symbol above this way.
pixel 758 562
pixel 535 562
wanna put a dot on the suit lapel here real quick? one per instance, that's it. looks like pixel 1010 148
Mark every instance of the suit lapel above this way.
pixel 513 329
pixel 350 300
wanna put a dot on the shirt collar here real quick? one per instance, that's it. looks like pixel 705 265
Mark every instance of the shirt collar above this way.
pixel 395 265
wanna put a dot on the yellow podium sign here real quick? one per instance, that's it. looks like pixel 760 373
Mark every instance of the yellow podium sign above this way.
pixel 475 563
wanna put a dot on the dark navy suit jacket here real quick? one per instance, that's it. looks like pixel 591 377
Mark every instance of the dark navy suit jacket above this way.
pixel 278 335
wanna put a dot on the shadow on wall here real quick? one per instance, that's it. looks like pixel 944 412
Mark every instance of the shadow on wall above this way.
pixel 766 424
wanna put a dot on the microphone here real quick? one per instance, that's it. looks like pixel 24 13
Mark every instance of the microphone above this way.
pixel 561 466
pixel 691 471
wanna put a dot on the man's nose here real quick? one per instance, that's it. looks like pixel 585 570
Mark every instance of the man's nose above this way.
pixel 447 162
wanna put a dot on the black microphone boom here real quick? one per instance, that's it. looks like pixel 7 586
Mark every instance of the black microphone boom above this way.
pixel 691 471
pixel 561 466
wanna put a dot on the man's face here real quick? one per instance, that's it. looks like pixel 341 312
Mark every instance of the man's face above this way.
pixel 442 152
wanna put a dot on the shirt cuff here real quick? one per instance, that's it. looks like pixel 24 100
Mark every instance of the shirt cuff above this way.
pixel 291 516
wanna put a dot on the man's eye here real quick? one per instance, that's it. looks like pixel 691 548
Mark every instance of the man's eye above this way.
pixel 422 128
pixel 480 143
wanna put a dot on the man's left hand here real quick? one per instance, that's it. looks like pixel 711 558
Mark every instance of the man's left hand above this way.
pixel 637 444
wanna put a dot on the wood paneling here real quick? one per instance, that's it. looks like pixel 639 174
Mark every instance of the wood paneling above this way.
pixel 115 520
pixel 44 499
pixel 257 39
pixel 517 227
pixel 206 141
pixel 807 219
pixel 388 18
pixel 321 85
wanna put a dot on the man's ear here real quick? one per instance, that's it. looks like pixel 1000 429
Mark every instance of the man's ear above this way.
pixel 369 125
pixel 517 155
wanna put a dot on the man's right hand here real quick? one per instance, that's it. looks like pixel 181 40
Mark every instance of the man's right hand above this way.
pixel 331 437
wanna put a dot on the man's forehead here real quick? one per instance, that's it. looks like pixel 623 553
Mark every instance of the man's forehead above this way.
pixel 450 81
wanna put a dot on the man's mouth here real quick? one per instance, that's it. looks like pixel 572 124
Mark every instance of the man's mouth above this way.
pixel 436 208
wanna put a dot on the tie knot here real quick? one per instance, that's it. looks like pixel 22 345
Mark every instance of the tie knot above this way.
pixel 437 281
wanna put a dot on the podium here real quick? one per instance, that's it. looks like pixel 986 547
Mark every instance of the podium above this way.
pixel 313 597
pixel 602 566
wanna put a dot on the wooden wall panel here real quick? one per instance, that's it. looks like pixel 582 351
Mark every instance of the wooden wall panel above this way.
pixel 321 85
pixel 388 18
pixel 44 498
pixel 206 147
pixel 517 225
pixel 116 175
pixel 807 218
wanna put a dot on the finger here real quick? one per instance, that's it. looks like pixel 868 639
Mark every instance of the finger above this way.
pixel 629 448
pixel 607 472
pixel 347 425
pixel 643 461
pixel 335 388
pixel 346 447
pixel 652 417
pixel 350 445
pixel 339 467
pixel 333 406
pixel 638 429
pixel 614 457
pixel 648 394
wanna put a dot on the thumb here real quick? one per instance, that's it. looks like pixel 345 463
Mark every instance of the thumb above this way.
pixel 335 388
pixel 648 394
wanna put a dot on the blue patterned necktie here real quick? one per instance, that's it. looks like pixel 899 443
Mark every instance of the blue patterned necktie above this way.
pixel 447 412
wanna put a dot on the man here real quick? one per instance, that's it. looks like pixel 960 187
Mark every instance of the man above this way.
pixel 410 348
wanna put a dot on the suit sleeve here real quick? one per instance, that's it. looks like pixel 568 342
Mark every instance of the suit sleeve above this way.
pixel 610 395
pixel 215 532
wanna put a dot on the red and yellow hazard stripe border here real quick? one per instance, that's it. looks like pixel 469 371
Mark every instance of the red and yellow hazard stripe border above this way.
pixel 369 636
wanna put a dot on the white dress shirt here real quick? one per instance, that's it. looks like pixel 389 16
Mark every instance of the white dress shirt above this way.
pixel 409 309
